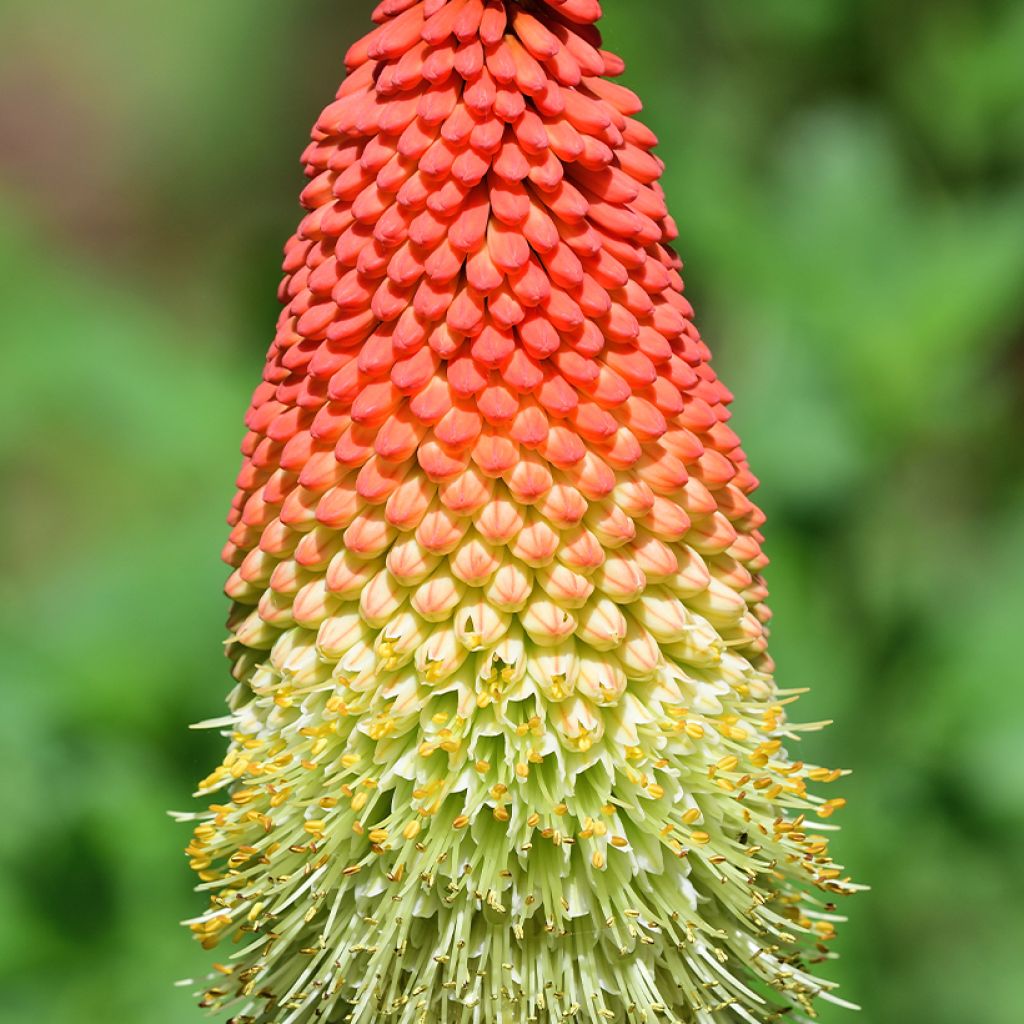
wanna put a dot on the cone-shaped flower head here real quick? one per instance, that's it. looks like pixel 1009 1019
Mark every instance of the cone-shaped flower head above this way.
pixel 505 744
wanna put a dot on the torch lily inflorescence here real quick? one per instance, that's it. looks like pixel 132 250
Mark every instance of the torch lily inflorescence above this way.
pixel 505 745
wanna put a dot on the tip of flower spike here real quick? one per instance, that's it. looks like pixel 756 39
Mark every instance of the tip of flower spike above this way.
pixel 581 11
pixel 404 23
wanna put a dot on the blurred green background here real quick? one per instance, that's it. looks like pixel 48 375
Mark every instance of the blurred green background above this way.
pixel 848 177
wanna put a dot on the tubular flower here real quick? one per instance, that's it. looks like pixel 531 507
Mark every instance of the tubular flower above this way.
pixel 505 744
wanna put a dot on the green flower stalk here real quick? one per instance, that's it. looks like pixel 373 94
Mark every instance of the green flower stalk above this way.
pixel 505 744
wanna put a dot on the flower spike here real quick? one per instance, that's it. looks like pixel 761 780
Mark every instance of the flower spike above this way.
pixel 505 744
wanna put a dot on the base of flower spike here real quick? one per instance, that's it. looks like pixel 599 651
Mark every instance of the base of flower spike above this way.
pixel 505 744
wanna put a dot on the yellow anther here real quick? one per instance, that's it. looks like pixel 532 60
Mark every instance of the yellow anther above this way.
pixel 830 806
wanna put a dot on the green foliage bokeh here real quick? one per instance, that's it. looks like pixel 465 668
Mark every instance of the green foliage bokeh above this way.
pixel 848 178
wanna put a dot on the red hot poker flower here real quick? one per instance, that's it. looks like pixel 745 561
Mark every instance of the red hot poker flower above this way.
pixel 505 744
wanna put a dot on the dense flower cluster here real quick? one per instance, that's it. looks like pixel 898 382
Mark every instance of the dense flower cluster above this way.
pixel 505 744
